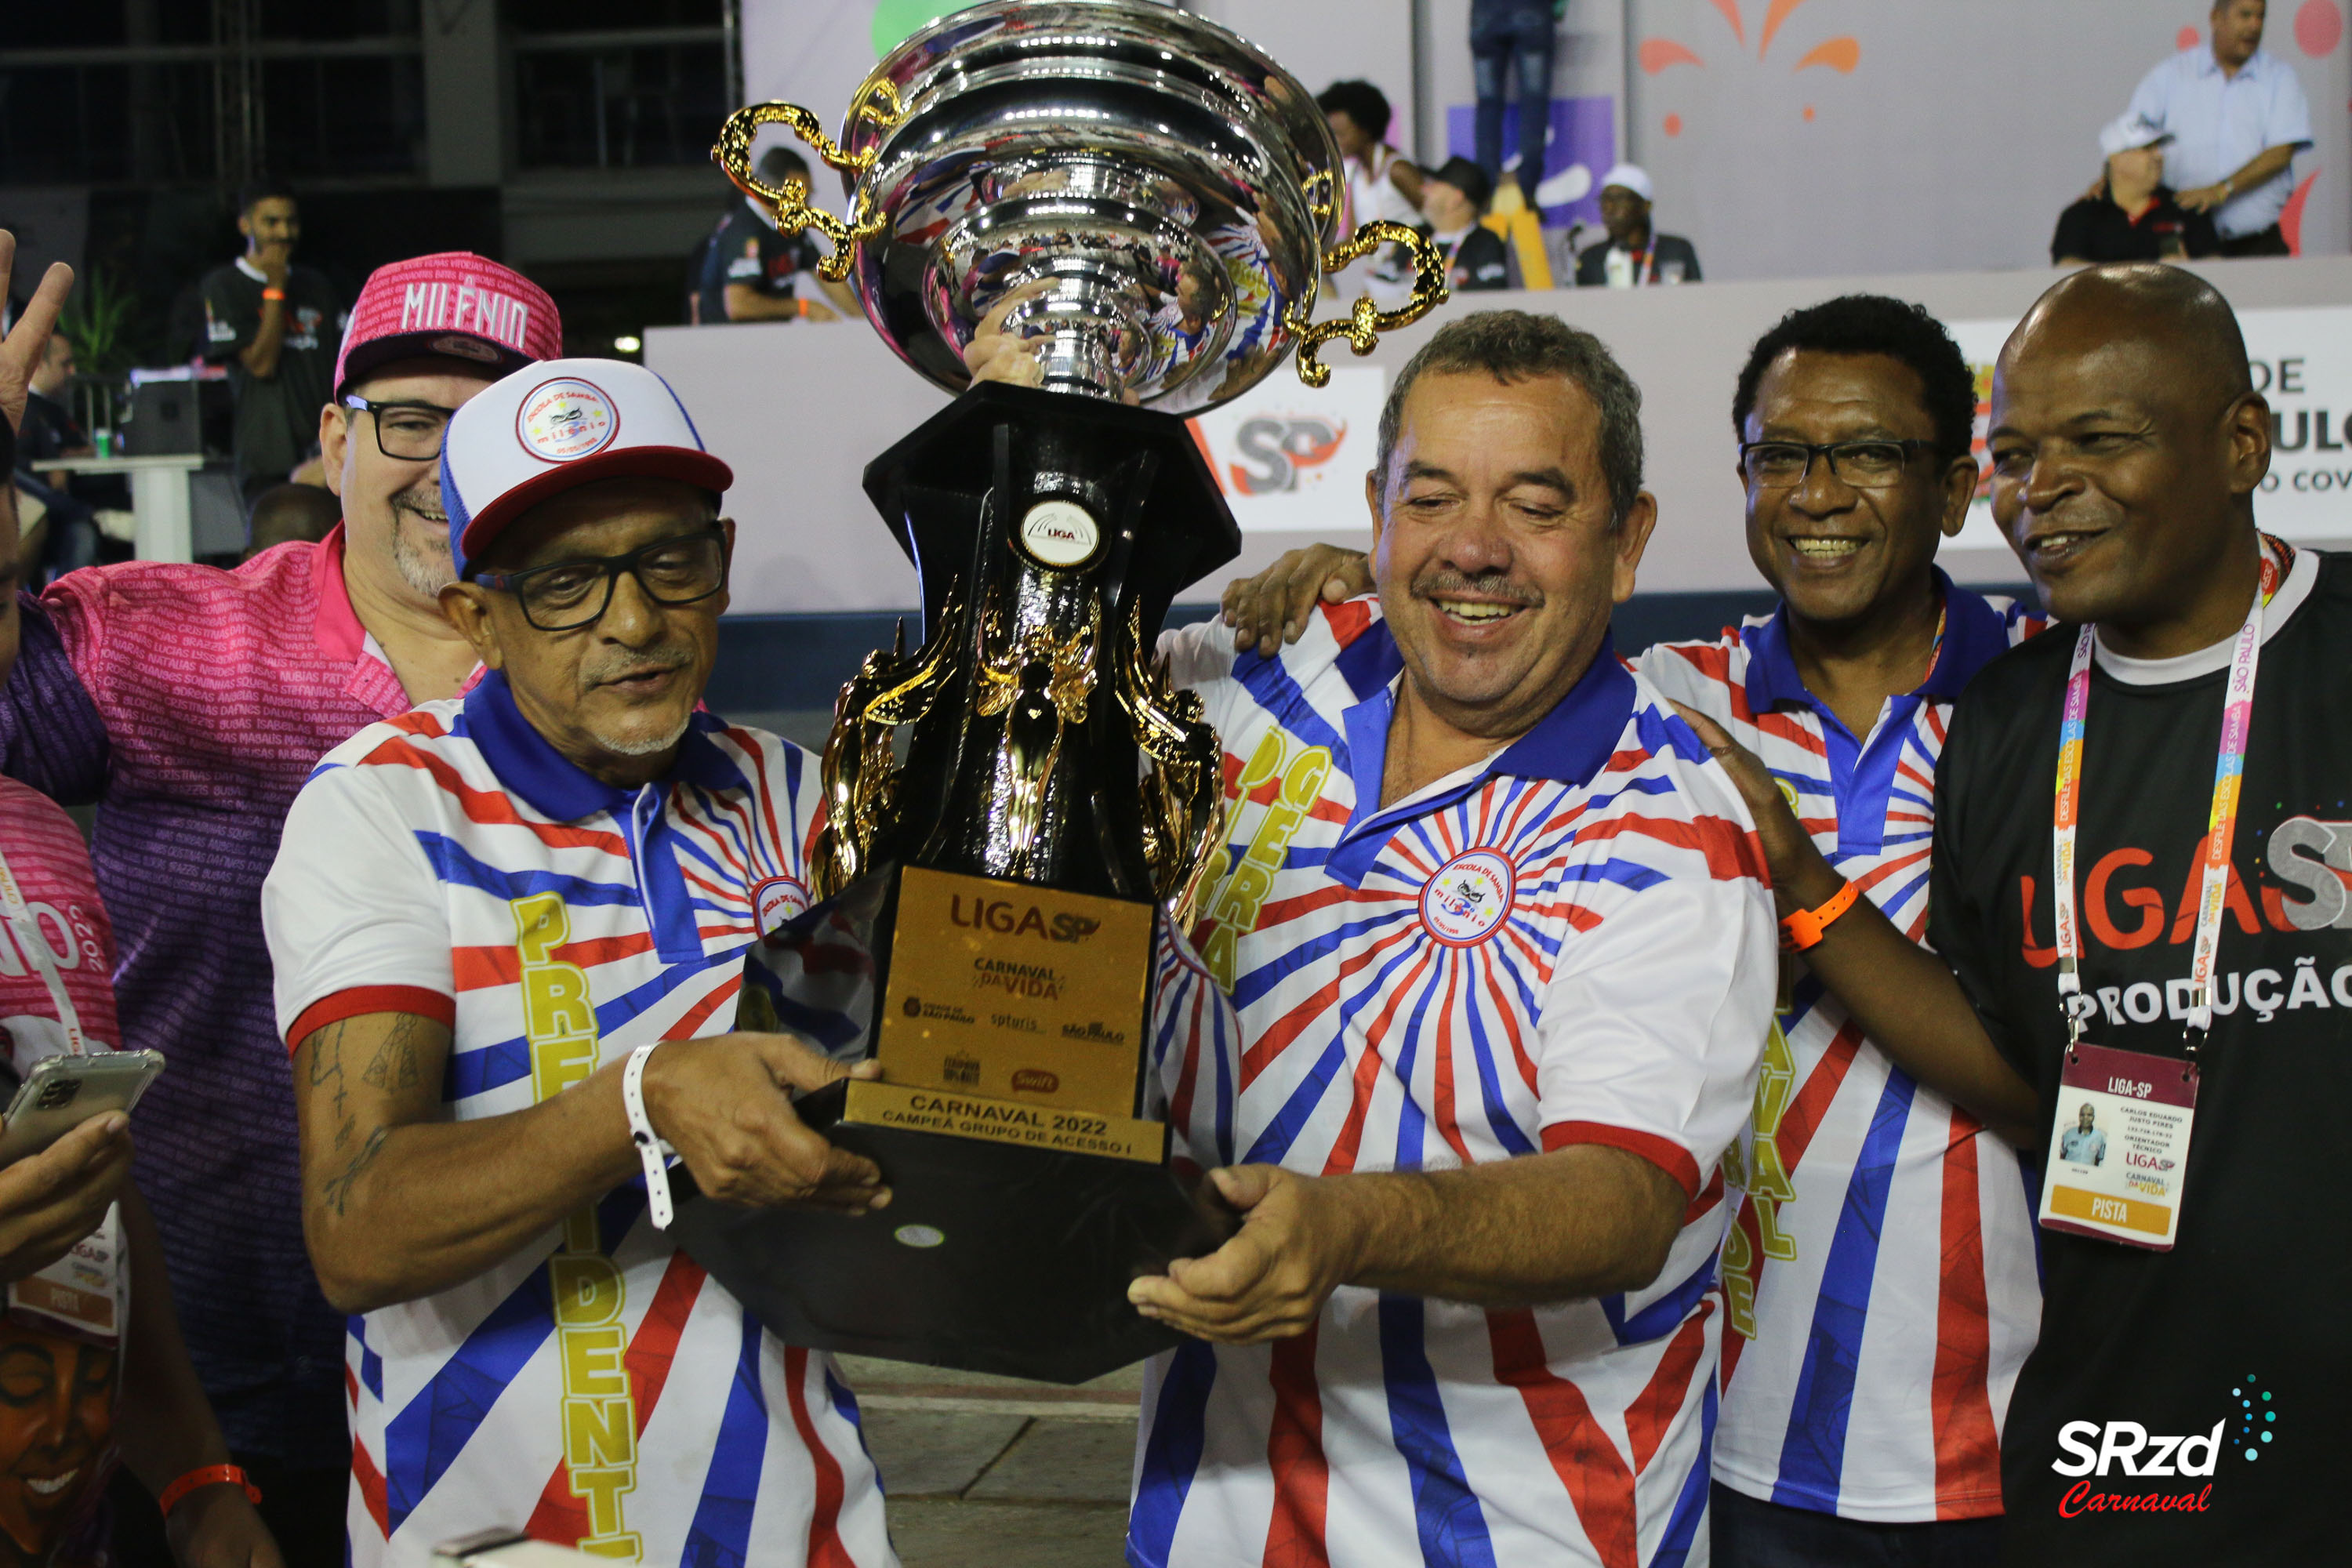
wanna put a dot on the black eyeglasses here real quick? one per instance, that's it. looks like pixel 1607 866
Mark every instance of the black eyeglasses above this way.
pixel 412 432
pixel 1865 464
pixel 568 595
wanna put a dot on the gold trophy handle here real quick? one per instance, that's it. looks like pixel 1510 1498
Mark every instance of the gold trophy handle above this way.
pixel 790 200
pixel 1362 326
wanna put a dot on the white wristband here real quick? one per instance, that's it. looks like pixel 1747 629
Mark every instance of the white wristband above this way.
pixel 651 1150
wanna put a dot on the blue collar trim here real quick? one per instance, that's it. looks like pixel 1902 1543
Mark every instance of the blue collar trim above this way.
pixel 529 766
pixel 1569 745
pixel 1974 636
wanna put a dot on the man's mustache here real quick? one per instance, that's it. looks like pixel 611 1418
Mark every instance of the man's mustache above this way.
pixel 634 662
pixel 1439 584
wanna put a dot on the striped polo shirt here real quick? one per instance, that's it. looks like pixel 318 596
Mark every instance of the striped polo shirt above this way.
pixel 1880 1269
pixel 1569 942
pixel 596 1388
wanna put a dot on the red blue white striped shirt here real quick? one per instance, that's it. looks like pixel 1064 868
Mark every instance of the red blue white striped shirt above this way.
pixel 596 1388
pixel 1569 942
pixel 1880 1270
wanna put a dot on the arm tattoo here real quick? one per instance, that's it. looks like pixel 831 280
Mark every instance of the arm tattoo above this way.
pixel 327 1073
pixel 394 1067
pixel 337 1192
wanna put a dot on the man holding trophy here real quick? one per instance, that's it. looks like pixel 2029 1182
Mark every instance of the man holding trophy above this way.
pixel 1496 933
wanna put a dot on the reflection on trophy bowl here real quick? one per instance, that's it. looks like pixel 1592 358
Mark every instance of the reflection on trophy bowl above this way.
pixel 1143 197
pixel 1148 192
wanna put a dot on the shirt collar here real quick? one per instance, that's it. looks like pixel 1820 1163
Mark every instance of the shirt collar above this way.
pixel 1974 634
pixel 1567 745
pixel 337 627
pixel 2257 64
pixel 528 766
pixel 251 270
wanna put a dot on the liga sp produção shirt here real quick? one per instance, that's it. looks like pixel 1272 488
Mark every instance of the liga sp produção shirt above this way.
pixel 189 704
pixel 2232 1335
pixel 597 1388
pixel 1570 942
pixel 60 1366
pixel 1879 1272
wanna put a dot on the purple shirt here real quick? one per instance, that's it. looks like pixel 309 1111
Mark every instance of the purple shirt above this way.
pixel 189 704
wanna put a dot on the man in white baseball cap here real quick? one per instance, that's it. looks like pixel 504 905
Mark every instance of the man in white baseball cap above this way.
pixel 2131 214
pixel 486 917
pixel 1633 258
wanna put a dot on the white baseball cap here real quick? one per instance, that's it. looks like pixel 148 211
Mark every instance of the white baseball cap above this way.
pixel 557 424
pixel 1631 177
pixel 2126 131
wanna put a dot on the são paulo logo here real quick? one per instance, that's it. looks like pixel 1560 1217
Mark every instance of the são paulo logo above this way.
pixel 565 419
pixel 1468 897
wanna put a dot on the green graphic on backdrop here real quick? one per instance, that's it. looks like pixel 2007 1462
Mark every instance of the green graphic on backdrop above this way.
pixel 895 19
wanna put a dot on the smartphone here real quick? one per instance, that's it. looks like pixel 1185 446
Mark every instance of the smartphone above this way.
pixel 64 1091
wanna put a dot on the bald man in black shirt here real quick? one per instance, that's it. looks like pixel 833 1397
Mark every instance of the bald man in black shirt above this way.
pixel 2180 1408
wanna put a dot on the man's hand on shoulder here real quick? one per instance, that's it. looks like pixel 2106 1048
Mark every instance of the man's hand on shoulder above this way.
pixel 50 1200
pixel 723 1104
pixel 1297 1242
pixel 1270 609
pixel 1797 864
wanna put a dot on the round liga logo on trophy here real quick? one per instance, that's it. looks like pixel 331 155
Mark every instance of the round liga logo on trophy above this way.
pixel 1466 899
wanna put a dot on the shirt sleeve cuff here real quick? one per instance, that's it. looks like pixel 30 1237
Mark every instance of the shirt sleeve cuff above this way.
pixel 361 1000
pixel 1664 1152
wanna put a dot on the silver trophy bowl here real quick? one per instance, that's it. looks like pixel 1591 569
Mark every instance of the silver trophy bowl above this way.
pixel 1140 200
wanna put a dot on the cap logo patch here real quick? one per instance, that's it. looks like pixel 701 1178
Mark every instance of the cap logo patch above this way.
pixel 464 348
pixel 566 419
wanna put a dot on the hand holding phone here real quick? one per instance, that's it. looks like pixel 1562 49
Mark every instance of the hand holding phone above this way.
pixel 53 1198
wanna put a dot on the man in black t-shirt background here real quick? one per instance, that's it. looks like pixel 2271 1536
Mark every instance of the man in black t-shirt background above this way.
pixel 2180 1409
pixel 751 273
pixel 2132 216
pixel 276 326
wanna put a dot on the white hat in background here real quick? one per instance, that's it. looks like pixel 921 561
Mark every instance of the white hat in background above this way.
pixel 2126 131
pixel 1631 177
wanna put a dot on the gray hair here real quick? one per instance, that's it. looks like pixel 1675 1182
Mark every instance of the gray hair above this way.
pixel 1518 345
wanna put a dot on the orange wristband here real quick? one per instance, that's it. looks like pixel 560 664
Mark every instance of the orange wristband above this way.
pixel 1805 928
pixel 204 1475
pixel 276 294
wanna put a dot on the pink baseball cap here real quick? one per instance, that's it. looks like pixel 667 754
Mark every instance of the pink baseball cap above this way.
pixel 454 303
pixel 549 426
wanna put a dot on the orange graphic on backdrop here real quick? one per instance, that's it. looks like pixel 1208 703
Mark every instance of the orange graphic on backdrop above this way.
pixel 1841 53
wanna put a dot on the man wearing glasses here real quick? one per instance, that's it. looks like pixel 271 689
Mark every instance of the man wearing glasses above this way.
pixel 486 917
pixel 189 704
pixel 1878 1274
